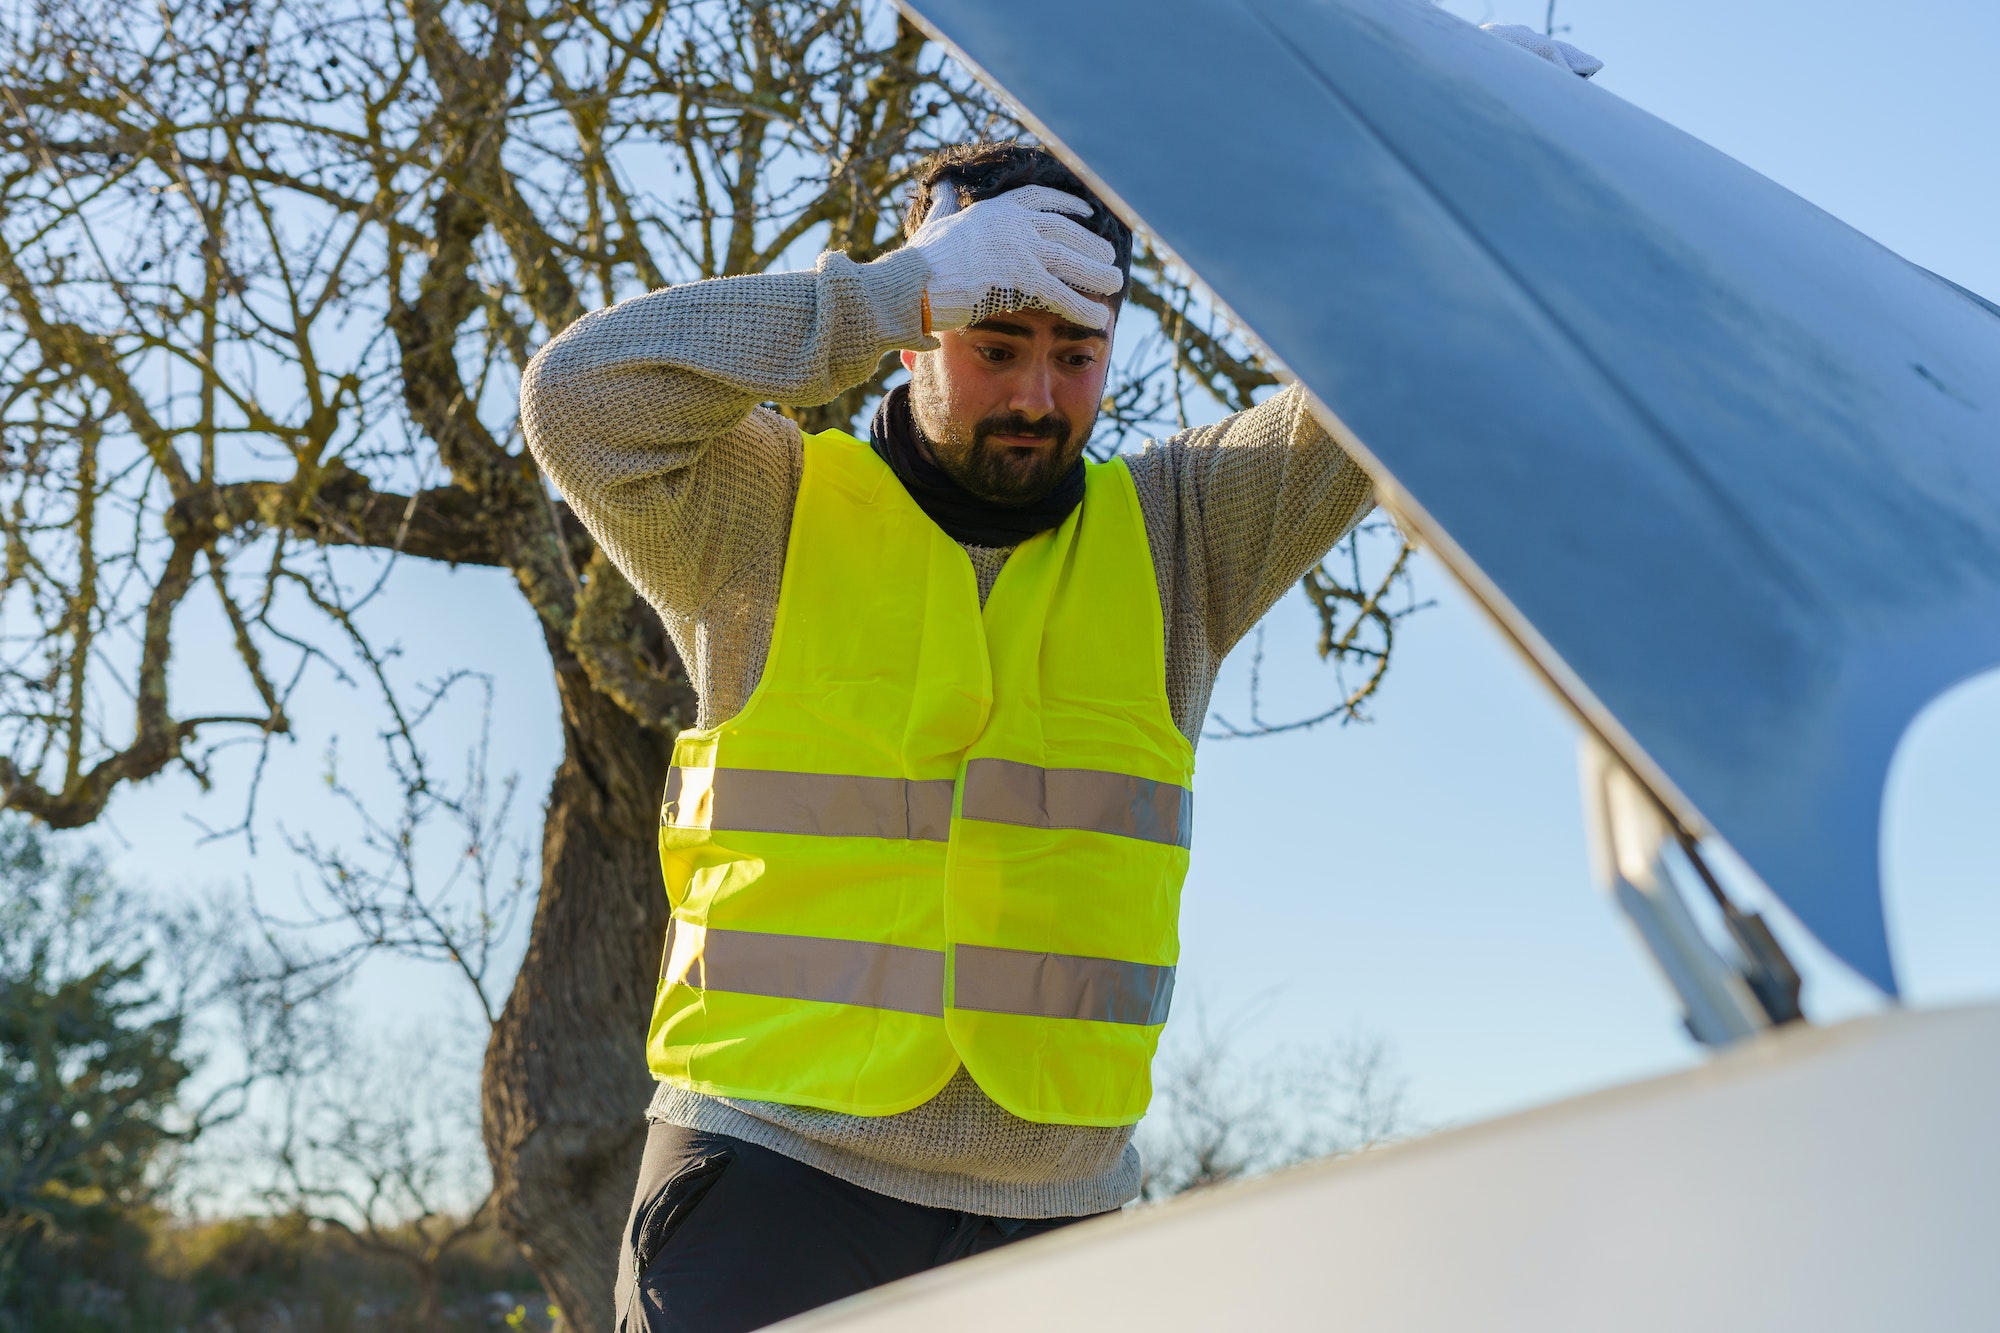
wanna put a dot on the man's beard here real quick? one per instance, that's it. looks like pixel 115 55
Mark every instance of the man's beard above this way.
pixel 1001 473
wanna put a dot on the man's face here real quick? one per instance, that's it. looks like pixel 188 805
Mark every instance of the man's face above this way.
pixel 1008 403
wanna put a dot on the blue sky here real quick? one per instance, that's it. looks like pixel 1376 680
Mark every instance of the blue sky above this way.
pixel 1423 879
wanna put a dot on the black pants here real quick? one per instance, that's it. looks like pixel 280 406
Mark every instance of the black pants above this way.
pixel 727 1236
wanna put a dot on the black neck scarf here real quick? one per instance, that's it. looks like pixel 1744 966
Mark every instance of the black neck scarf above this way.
pixel 965 517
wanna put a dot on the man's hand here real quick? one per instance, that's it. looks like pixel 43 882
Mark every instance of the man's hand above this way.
pixel 1012 250
pixel 1557 53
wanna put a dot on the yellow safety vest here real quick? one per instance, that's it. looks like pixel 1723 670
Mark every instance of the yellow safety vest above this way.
pixel 934 835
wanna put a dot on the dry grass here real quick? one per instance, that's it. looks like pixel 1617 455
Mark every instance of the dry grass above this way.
pixel 248 1275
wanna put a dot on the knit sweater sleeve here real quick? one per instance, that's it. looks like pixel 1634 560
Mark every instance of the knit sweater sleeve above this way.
pixel 1236 513
pixel 646 417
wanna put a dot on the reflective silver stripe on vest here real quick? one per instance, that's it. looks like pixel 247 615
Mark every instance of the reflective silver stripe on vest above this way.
pixel 806 967
pixel 1059 985
pixel 831 805
pixel 1004 792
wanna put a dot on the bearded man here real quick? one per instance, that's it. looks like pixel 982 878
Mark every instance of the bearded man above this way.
pixel 924 845
pixel 830 1120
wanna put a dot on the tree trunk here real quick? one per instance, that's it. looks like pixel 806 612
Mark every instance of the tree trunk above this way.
pixel 430 1294
pixel 566 1085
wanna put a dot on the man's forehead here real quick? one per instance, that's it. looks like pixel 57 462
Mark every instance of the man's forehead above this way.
pixel 1026 323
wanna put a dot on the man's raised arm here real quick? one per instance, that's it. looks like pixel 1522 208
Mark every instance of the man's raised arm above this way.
pixel 1252 503
pixel 646 417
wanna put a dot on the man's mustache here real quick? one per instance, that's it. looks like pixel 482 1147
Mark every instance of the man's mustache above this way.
pixel 1054 426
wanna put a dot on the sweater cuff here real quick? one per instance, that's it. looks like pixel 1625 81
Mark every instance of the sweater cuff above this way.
pixel 893 286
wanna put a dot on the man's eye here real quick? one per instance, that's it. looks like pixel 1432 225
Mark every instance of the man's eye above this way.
pixel 1081 361
pixel 995 353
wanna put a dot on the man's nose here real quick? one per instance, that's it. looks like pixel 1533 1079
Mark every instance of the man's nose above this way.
pixel 1034 391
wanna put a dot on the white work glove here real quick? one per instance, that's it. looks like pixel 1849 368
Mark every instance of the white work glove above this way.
pixel 1013 250
pixel 1560 54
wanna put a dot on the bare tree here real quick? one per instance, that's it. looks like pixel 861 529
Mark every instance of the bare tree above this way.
pixel 372 1139
pixel 271 269
pixel 379 1141
pixel 389 890
pixel 384 1150
pixel 1360 593
pixel 1220 1114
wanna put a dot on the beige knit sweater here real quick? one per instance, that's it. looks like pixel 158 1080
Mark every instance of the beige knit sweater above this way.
pixel 646 416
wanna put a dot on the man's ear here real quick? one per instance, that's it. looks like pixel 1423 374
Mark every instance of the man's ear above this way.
pixel 909 361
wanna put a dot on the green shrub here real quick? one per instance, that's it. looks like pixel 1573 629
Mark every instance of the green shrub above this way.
pixel 89 1067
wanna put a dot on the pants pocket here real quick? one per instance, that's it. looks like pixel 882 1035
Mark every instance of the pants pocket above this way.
pixel 655 1225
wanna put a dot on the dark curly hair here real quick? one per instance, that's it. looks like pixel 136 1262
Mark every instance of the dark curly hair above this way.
pixel 981 170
